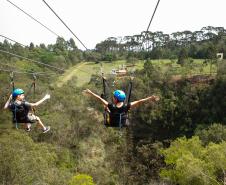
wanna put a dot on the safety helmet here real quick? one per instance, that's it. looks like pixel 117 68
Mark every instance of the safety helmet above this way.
pixel 17 92
pixel 119 95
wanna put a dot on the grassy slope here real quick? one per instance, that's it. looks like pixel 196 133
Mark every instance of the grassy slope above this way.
pixel 96 147
pixel 84 70
pixel 69 74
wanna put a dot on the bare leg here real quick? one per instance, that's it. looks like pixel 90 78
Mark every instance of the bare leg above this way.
pixel 40 124
pixel 45 129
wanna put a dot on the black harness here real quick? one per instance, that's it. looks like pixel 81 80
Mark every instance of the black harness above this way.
pixel 117 117
pixel 20 112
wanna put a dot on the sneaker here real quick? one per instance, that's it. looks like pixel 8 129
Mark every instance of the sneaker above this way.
pixel 46 129
pixel 28 129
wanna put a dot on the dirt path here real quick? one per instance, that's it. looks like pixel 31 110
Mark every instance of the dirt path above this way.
pixel 68 74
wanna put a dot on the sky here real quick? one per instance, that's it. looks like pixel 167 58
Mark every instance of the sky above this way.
pixel 94 21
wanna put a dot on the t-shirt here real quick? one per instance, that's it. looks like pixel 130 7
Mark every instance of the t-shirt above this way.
pixel 118 115
pixel 20 110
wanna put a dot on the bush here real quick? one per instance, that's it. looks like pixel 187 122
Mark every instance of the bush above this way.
pixel 81 179
pixel 215 133
pixel 188 162
pixel 23 162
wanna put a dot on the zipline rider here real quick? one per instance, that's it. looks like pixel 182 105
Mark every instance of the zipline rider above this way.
pixel 21 110
pixel 118 109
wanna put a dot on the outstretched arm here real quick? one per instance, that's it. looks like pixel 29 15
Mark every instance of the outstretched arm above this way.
pixel 46 97
pixel 103 101
pixel 139 102
pixel 8 102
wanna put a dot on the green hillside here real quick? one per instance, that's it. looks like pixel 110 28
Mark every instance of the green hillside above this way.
pixel 178 140
pixel 85 70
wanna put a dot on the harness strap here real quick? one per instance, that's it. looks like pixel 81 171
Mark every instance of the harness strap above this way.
pixel 120 120
pixel 129 95
pixel 12 80
pixel 34 83
pixel 15 117
pixel 34 89
pixel 13 88
pixel 104 96
pixel 129 92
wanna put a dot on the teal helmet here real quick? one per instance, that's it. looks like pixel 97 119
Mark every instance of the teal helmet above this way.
pixel 17 92
pixel 119 95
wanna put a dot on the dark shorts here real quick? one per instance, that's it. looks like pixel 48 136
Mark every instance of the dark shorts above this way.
pixel 31 118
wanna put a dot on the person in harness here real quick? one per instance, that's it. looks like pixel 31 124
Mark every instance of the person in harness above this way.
pixel 118 110
pixel 21 110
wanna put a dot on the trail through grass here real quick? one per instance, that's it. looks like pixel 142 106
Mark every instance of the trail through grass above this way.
pixel 84 70
pixel 68 74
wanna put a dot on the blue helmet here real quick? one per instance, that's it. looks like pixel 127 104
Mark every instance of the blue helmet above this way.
pixel 119 95
pixel 17 92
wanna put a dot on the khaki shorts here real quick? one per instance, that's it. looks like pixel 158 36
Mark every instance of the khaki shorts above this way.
pixel 32 118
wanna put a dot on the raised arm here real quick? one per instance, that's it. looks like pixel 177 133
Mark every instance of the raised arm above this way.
pixel 8 102
pixel 103 101
pixel 46 97
pixel 139 102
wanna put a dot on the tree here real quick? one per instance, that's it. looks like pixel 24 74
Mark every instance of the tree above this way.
pixel 24 162
pixel 92 56
pixel 215 133
pixel 211 55
pixel 71 44
pixel 182 56
pixel 31 47
pixel 188 162
pixel 61 46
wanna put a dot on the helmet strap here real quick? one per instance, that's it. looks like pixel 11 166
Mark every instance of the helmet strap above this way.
pixel 115 100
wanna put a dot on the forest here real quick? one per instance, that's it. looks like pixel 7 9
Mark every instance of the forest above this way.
pixel 179 140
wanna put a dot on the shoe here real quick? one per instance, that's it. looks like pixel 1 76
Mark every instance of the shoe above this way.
pixel 28 129
pixel 46 130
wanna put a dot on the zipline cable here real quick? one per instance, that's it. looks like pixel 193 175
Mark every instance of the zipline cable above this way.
pixel 30 73
pixel 8 65
pixel 12 80
pixel 45 72
pixel 12 40
pixel 65 24
pixel 7 52
pixel 18 42
pixel 151 21
pixel 33 18
pixel 152 16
